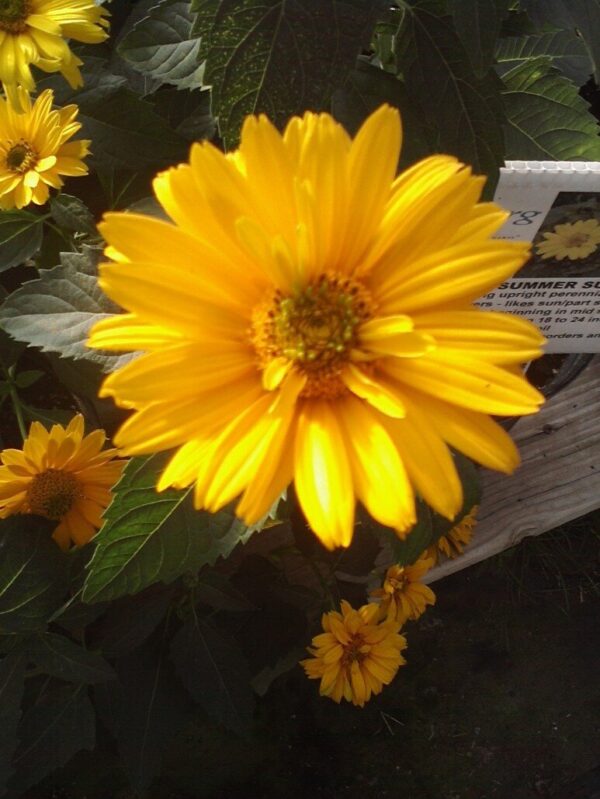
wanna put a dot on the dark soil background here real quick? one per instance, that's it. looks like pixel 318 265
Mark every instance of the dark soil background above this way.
pixel 500 699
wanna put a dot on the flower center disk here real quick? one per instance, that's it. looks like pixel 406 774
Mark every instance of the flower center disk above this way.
pixel 20 157
pixel 52 493
pixel 315 328
pixel 13 15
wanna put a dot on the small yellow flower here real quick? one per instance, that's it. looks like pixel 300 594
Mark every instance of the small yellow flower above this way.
pixel 453 543
pixel 62 475
pixel 308 316
pixel 572 240
pixel 35 150
pixel 34 32
pixel 403 596
pixel 356 655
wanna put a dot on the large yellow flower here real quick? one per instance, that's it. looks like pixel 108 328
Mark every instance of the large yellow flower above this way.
pixel 61 475
pixel 572 240
pixel 35 32
pixel 35 150
pixel 355 656
pixel 307 316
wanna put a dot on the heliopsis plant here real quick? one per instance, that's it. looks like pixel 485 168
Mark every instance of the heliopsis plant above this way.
pixel 36 151
pixel 403 596
pixel 356 655
pixel 62 475
pixel 308 316
pixel 571 240
pixel 278 295
pixel 36 33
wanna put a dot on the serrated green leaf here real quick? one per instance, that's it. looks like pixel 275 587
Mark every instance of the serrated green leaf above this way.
pixel 214 589
pixel 71 213
pixel 149 537
pixel 56 311
pixel 214 671
pixel 144 710
pixel 20 237
pixel 130 620
pixel 584 15
pixel 12 681
pixel 32 573
pixel 51 732
pixel 188 113
pixel 163 46
pixel 60 657
pixel 464 112
pixel 124 128
pixel 547 119
pixel 565 48
pixel 279 57
pixel 478 23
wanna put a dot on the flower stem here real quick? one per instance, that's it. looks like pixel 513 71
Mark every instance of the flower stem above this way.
pixel 16 402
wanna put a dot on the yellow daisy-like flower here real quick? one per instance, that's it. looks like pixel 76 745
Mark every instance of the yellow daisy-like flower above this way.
pixel 307 316
pixel 62 475
pixel 355 656
pixel 453 543
pixel 35 32
pixel 403 596
pixel 572 240
pixel 35 150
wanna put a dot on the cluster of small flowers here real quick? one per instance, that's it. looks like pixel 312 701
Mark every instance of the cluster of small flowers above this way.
pixel 35 140
pixel 360 651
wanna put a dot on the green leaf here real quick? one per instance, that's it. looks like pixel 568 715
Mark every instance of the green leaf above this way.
pixel 409 549
pixel 71 213
pixel 12 681
pixel 566 49
pixel 279 57
pixel 478 24
pixel 27 378
pixel 470 478
pixel 60 657
pixel 130 620
pixel 214 589
pixel 51 732
pixel 56 311
pixel 163 46
pixel 581 14
pixel 188 113
pixel 32 573
pixel 149 537
pixel 547 119
pixel 214 671
pixel 20 237
pixel 462 111
pixel 125 130
pixel 143 711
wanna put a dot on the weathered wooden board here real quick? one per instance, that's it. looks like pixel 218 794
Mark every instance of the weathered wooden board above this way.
pixel 558 480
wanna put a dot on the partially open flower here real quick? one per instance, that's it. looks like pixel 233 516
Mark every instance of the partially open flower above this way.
pixel 62 475
pixel 403 596
pixel 453 543
pixel 355 656
pixel 35 150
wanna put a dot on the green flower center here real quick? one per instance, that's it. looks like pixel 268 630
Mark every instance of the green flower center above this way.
pixel 13 15
pixel 315 327
pixel 21 157
pixel 52 493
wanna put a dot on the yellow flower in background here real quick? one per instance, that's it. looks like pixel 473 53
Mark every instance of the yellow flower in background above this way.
pixel 62 475
pixel 34 32
pixel 572 240
pixel 35 150
pixel 355 656
pixel 308 316
pixel 453 543
pixel 403 596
